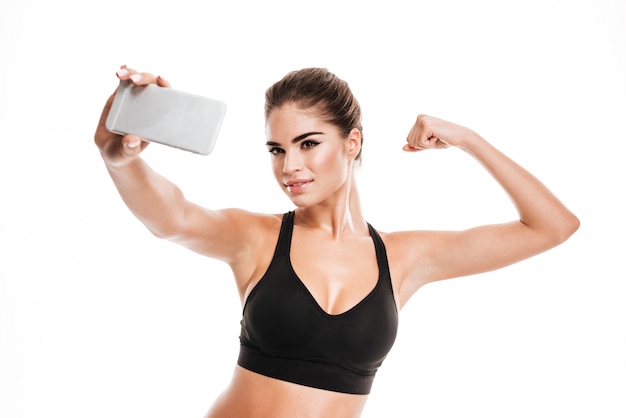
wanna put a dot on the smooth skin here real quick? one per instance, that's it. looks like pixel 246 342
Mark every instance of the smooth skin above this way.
pixel 332 251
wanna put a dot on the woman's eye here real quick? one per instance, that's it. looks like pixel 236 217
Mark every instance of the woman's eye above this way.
pixel 275 151
pixel 309 144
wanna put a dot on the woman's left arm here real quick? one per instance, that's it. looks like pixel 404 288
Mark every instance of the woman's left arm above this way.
pixel 544 222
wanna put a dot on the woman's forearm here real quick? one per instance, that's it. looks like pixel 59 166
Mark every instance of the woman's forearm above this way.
pixel 155 201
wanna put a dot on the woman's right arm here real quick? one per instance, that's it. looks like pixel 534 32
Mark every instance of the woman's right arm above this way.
pixel 158 203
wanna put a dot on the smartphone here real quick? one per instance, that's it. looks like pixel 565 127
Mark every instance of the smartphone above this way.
pixel 171 117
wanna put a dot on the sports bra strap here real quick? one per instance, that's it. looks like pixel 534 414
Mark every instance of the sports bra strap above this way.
pixel 284 239
pixel 381 252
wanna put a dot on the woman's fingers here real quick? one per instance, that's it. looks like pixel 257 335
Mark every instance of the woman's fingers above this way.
pixel 162 82
pixel 132 145
pixel 409 148
pixel 425 134
pixel 135 77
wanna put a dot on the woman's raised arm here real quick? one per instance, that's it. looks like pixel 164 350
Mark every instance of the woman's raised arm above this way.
pixel 158 203
pixel 543 223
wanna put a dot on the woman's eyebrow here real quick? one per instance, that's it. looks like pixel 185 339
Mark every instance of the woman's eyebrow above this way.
pixel 296 139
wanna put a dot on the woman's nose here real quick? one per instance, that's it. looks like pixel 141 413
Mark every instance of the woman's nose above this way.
pixel 292 162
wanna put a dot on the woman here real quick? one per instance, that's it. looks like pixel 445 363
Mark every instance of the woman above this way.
pixel 320 287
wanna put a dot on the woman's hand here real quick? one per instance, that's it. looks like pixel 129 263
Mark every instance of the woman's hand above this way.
pixel 432 133
pixel 119 150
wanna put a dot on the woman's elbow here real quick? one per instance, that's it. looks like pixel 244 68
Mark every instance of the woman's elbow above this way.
pixel 565 227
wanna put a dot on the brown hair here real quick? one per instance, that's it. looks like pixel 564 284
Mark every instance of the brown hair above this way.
pixel 322 91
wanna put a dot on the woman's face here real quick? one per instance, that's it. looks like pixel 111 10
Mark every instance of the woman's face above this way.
pixel 311 160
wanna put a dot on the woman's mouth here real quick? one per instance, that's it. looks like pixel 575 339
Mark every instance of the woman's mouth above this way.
pixel 297 186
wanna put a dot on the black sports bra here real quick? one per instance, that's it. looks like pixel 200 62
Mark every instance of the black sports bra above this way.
pixel 286 335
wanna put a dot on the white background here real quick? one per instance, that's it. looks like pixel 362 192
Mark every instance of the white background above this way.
pixel 100 319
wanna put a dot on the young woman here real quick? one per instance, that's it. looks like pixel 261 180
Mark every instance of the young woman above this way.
pixel 321 288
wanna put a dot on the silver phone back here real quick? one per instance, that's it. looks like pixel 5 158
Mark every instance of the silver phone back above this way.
pixel 182 120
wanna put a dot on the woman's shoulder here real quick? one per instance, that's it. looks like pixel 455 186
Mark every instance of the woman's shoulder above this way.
pixel 243 219
pixel 403 245
pixel 402 237
pixel 248 215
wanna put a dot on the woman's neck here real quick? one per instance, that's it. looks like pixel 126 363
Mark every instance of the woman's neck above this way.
pixel 343 215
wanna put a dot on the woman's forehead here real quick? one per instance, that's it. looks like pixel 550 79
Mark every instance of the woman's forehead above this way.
pixel 288 121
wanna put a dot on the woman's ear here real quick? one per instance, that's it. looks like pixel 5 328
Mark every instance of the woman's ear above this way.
pixel 354 143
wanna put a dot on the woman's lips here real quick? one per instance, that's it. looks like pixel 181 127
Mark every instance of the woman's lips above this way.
pixel 297 186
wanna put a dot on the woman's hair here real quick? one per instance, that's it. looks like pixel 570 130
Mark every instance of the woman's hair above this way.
pixel 321 91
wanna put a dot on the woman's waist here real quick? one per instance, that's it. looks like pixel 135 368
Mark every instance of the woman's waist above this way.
pixel 252 395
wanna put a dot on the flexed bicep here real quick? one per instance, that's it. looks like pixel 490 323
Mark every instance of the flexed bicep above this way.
pixel 428 256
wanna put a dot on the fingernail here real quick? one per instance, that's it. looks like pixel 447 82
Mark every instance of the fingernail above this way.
pixel 136 77
pixel 133 144
pixel 122 72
